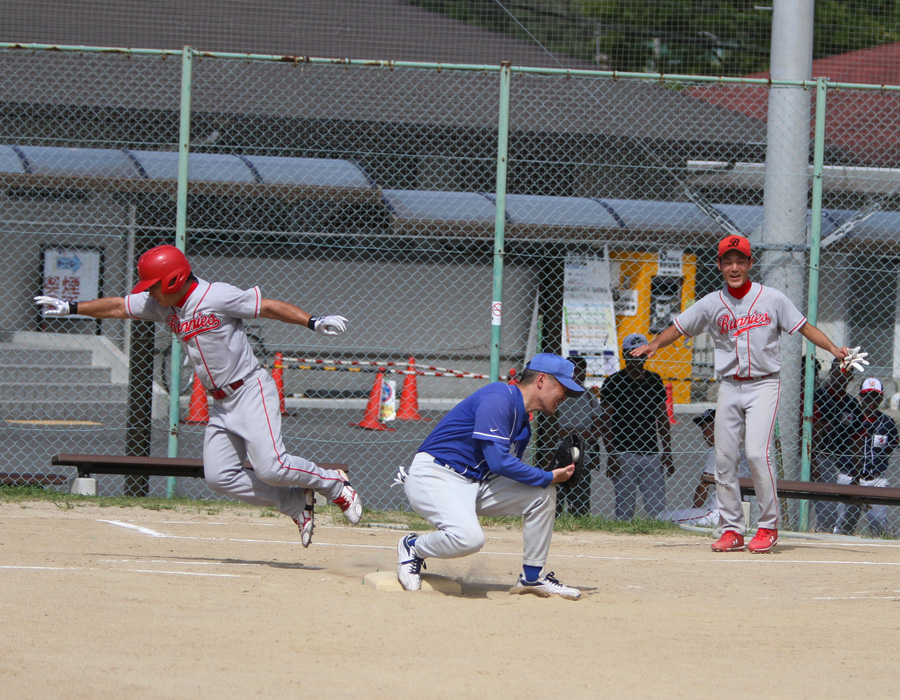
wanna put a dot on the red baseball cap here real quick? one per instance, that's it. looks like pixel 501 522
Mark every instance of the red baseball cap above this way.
pixel 738 243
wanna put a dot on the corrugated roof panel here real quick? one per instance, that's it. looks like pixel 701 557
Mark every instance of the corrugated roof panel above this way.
pixel 746 217
pixel 202 167
pixel 9 161
pixel 321 172
pixel 662 216
pixel 542 210
pixel 78 162
pixel 468 207
pixel 882 225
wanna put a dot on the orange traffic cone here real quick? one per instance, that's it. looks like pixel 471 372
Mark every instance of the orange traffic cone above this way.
pixel 373 407
pixel 198 407
pixel 670 410
pixel 409 395
pixel 278 376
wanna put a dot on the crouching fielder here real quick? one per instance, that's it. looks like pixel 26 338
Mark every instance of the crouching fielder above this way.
pixel 746 321
pixel 470 465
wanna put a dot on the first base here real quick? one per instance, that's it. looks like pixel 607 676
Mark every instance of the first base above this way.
pixel 387 581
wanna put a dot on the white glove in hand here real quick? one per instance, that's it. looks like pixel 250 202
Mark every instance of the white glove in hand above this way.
pixel 330 325
pixel 51 306
pixel 854 360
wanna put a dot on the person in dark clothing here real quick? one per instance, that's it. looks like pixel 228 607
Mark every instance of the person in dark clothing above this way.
pixel 878 439
pixel 580 414
pixel 635 424
pixel 837 421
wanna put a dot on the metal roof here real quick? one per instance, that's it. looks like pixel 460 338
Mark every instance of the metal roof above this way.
pixel 411 211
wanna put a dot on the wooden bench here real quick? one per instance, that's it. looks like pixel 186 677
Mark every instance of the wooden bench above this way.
pixel 817 491
pixel 32 479
pixel 144 466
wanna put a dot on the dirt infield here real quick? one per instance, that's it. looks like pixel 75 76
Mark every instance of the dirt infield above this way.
pixel 114 603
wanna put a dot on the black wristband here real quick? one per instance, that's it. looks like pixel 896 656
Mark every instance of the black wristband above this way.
pixel 311 323
pixel 73 308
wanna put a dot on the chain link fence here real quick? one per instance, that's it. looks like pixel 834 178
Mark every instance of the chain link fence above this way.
pixel 371 190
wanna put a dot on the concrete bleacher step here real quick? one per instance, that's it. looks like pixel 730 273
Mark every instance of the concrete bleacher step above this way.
pixel 76 410
pixel 41 391
pixel 11 354
pixel 53 383
pixel 14 374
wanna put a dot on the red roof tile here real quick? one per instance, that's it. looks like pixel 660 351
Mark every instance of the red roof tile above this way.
pixel 867 124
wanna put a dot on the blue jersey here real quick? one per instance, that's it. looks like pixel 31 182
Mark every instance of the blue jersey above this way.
pixel 495 413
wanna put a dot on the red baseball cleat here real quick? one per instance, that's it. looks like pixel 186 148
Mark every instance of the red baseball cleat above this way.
pixel 730 541
pixel 348 500
pixel 764 541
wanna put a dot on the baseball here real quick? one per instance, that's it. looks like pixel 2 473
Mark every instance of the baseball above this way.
pixel 575 454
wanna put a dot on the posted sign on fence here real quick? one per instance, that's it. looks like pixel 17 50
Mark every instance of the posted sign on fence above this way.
pixel 72 274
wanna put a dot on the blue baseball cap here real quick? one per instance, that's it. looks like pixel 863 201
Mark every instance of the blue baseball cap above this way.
pixel 634 340
pixel 561 369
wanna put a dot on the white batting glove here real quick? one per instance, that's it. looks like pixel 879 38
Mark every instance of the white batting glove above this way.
pixel 855 360
pixel 51 306
pixel 328 325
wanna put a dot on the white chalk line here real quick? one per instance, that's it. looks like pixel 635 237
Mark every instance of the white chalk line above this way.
pixel 855 597
pixel 772 560
pixel 807 543
pixel 758 560
pixel 170 562
pixel 48 568
pixel 186 573
pixel 131 526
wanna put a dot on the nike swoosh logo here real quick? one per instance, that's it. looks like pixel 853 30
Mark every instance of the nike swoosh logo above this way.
pixel 494 430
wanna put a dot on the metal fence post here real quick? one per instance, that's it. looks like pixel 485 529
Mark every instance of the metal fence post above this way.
pixel 500 219
pixel 184 146
pixel 812 308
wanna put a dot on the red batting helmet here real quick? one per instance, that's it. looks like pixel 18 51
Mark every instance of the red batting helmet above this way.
pixel 165 264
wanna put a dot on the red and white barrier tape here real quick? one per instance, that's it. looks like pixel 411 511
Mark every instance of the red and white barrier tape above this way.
pixel 375 365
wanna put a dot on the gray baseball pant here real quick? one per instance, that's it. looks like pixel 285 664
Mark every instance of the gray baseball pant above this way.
pixel 746 409
pixel 829 466
pixel 452 503
pixel 247 425
pixel 644 473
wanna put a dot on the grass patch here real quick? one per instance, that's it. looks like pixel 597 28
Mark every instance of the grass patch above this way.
pixel 26 495
pixel 594 523
pixel 636 526
pixel 402 519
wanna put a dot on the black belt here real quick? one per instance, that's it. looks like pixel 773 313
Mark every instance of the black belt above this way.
pixel 224 391
pixel 736 378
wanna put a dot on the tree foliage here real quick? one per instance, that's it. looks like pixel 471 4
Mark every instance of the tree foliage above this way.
pixel 695 37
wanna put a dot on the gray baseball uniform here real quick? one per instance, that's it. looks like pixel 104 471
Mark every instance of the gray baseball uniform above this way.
pixel 747 338
pixel 245 418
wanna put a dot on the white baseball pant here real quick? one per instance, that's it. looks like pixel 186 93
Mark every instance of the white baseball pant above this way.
pixel 452 503
pixel 848 515
pixel 746 409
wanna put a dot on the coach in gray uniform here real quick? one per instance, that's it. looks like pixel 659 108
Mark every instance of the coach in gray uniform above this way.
pixel 746 320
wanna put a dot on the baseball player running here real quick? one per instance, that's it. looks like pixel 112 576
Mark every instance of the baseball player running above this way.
pixel 245 418
pixel 746 320
pixel 471 465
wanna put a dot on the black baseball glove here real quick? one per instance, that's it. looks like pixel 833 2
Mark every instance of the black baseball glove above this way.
pixel 570 450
